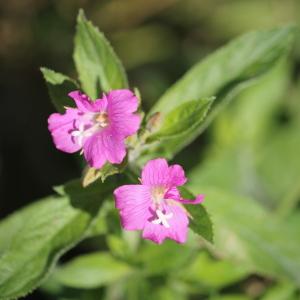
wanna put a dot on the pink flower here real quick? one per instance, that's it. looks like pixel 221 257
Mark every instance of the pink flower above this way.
pixel 98 128
pixel 155 206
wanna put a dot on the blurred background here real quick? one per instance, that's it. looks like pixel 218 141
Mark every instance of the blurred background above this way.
pixel 157 41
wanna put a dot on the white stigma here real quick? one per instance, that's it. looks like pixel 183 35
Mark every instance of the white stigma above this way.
pixel 80 134
pixel 162 219
pixel 99 121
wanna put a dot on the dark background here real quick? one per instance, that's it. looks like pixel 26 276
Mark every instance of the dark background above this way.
pixel 157 40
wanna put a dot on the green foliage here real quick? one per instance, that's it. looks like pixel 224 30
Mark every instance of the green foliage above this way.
pixel 91 174
pixel 184 118
pixel 282 290
pixel 281 156
pixel 59 86
pixel 251 115
pixel 92 270
pixel 231 297
pixel 41 233
pixel 210 273
pixel 248 239
pixel 223 74
pixel 97 64
pixel 167 258
pixel 242 59
pixel 200 221
pixel 248 234
pixel 250 148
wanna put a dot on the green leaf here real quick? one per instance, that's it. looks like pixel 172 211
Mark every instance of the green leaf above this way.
pixel 255 109
pixel 184 118
pixel 59 85
pixel 41 232
pixel 247 234
pixel 283 290
pixel 281 156
pixel 165 259
pixel 96 62
pixel 212 273
pixel 242 59
pixel 224 73
pixel 92 270
pixel 249 149
pixel 200 221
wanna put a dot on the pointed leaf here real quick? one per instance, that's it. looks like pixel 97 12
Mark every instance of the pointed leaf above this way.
pixel 59 86
pixel 200 221
pixel 184 118
pixel 96 62
pixel 224 73
pixel 242 59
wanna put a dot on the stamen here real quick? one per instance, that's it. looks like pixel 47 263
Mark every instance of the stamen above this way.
pixel 99 120
pixel 102 119
pixel 158 194
pixel 79 134
pixel 162 219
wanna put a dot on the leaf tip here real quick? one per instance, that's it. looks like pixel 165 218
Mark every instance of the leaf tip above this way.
pixel 81 15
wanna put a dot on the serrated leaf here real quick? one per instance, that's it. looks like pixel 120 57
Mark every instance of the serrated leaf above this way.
pixel 200 221
pixel 59 85
pixel 91 271
pixel 184 118
pixel 224 73
pixel 96 62
pixel 41 232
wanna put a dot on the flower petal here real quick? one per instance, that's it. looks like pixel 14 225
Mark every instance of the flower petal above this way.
pixel 155 172
pixel 104 146
pixel 115 150
pixel 121 106
pixel 176 176
pixel 83 102
pixel 122 102
pixel 125 125
pixel 134 203
pixel 93 151
pixel 173 193
pixel 178 227
pixel 61 127
pixel 100 105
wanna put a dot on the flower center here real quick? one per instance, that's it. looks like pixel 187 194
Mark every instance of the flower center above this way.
pixel 162 218
pixel 158 193
pixel 102 119
pixel 98 120
pixel 80 134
